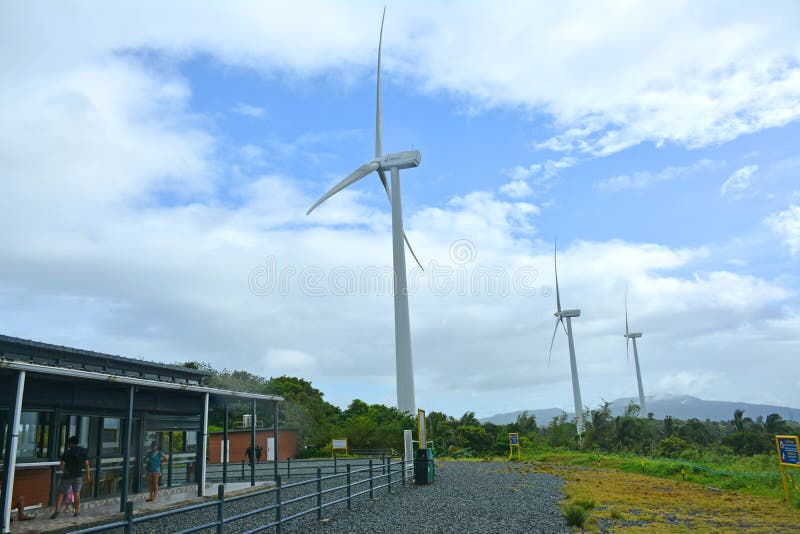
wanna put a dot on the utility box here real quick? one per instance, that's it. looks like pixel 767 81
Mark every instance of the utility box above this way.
pixel 423 466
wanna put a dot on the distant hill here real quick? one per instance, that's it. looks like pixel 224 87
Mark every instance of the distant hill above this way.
pixel 678 406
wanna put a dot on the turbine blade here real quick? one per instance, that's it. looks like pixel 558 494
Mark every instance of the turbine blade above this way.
pixel 626 311
pixel 555 331
pixel 351 179
pixel 411 250
pixel 385 183
pixel 561 319
pixel 378 110
pixel 555 264
pixel 628 349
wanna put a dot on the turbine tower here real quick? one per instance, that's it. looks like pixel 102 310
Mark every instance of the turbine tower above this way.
pixel 565 316
pixel 392 162
pixel 628 337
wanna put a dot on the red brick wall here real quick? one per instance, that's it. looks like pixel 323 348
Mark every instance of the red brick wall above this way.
pixel 240 441
pixel 32 483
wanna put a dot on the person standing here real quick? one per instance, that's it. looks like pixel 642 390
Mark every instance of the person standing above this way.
pixel 250 454
pixel 153 460
pixel 259 452
pixel 73 461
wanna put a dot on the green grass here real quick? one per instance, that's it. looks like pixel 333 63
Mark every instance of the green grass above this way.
pixel 756 475
pixel 575 516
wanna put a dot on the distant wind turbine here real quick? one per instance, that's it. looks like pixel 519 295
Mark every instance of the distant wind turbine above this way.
pixel 628 337
pixel 561 315
pixel 392 162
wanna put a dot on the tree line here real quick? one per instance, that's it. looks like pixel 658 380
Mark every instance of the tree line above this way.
pixel 375 426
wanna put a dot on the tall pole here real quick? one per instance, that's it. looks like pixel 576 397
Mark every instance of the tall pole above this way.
pixel 126 452
pixel 12 439
pixel 402 327
pixel 642 409
pixel 576 387
pixel 253 443
pixel 225 454
pixel 275 455
pixel 201 448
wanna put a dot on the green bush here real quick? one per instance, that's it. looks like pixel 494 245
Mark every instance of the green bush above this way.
pixel 575 516
pixel 586 504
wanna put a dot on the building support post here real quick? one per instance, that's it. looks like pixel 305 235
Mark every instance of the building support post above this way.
pixel 275 440
pixel 10 462
pixel 126 451
pixel 225 453
pixel 201 448
pixel 253 444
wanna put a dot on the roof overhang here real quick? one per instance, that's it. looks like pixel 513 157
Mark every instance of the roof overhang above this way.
pixel 142 382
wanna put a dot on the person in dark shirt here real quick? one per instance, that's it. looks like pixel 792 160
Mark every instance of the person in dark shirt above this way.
pixel 73 461
pixel 259 452
pixel 250 453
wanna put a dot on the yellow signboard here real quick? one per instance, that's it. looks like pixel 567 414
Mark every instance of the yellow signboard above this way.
pixel 513 441
pixel 787 456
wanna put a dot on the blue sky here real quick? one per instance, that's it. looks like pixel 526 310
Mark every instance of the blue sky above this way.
pixel 158 160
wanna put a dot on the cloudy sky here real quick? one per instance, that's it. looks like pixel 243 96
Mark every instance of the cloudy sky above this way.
pixel 157 161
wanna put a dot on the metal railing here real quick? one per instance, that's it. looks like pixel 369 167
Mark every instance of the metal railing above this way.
pixel 357 482
pixel 265 470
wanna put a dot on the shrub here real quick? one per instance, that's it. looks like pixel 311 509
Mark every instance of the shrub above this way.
pixel 586 504
pixel 575 516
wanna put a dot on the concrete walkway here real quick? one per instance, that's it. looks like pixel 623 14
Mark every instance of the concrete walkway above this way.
pixel 107 510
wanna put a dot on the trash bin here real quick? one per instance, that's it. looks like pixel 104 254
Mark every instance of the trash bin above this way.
pixel 423 466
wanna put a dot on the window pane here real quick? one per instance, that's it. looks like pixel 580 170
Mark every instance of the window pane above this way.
pixel 34 433
pixel 112 436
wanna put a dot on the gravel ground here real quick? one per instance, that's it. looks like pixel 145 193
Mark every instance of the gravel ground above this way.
pixel 466 497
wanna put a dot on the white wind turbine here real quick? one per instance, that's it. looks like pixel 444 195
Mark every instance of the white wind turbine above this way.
pixel 628 337
pixel 561 315
pixel 391 162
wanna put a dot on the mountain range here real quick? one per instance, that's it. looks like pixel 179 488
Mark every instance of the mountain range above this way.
pixel 678 406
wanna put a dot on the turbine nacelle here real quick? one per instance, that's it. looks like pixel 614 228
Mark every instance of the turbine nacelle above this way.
pixel 568 313
pixel 634 334
pixel 400 160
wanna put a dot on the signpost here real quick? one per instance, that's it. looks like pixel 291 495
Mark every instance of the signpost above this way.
pixel 787 456
pixel 338 444
pixel 513 441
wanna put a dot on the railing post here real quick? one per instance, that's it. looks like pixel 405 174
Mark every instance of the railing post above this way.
pixel 220 508
pixel 349 489
pixel 383 463
pixel 278 520
pixel 242 469
pixel 319 493
pixel 389 466
pixel 335 469
pixel 129 517
pixel 371 481
pixel 289 467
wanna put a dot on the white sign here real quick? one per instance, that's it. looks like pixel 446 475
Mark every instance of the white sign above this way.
pixel 339 443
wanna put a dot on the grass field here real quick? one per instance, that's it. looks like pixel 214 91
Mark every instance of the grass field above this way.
pixel 620 494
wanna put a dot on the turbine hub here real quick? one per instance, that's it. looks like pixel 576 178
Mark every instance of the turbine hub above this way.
pixel 634 334
pixel 568 313
pixel 400 160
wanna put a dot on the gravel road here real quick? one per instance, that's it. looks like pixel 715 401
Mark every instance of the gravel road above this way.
pixel 480 497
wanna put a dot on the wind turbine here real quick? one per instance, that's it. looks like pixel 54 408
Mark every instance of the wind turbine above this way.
pixel 565 316
pixel 392 162
pixel 628 337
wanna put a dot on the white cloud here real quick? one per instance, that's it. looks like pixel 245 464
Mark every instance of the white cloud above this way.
pixel 91 138
pixel 786 225
pixel 519 172
pixel 738 182
pixel 552 59
pixel 248 110
pixel 517 189
pixel 645 179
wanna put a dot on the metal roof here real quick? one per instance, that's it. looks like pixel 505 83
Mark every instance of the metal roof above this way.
pixel 17 349
pixel 92 375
